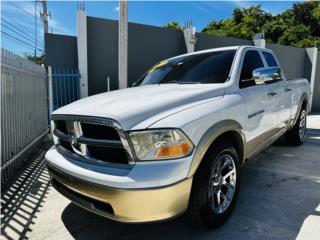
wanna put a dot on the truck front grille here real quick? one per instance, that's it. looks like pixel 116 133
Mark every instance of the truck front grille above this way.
pixel 99 131
pixel 92 139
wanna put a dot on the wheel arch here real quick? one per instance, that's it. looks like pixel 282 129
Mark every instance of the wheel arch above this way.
pixel 227 129
pixel 304 102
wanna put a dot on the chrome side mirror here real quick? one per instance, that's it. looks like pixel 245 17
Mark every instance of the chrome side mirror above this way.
pixel 266 75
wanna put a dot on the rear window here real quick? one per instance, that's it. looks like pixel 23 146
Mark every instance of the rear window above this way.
pixel 270 59
pixel 212 67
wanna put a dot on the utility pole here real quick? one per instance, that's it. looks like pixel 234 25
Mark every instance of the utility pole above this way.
pixel 123 44
pixel 82 49
pixel 80 5
pixel 35 28
pixel 189 33
pixel 44 16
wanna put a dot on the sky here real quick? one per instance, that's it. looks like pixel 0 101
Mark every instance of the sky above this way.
pixel 17 18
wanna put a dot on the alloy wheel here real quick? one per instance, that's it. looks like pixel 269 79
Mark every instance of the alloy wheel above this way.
pixel 302 125
pixel 222 183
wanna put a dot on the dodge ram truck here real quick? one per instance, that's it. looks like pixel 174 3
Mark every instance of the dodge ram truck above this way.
pixel 176 139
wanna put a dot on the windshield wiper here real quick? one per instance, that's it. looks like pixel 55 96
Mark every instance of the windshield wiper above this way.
pixel 180 82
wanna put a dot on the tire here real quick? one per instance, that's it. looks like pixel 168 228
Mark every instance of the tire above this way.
pixel 297 134
pixel 204 206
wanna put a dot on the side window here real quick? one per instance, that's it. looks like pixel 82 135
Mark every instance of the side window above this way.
pixel 251 61
pixel 270 59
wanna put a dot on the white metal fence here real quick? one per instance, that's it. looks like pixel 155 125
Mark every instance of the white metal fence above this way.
pixel 24 114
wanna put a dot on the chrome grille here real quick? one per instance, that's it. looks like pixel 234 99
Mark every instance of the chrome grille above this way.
pixel 93 139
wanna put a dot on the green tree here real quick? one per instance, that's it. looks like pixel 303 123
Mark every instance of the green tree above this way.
pixel 316 14
pixel 292 36
pixel 173 25
pixel 307 14
pixel 245 22
pixel 298 26
pixel 273 30
pixel 38 60
pixel 214 27
pixel 237 15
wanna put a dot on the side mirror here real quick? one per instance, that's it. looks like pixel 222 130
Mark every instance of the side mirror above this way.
pixel 266 75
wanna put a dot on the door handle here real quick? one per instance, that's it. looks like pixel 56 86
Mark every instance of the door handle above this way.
pixel 271 94
pixel 287 90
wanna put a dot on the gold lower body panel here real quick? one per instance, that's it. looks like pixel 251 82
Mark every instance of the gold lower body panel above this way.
pixel 124 205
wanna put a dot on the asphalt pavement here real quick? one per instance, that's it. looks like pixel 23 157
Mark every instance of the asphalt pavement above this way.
pixel 279 199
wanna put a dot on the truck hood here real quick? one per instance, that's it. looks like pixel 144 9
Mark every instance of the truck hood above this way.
pixel 140 107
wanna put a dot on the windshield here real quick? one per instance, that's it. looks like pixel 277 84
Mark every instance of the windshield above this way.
pixel 211 67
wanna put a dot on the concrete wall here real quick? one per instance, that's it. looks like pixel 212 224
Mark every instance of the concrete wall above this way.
pixel 205 41
pixel 147 45
pixel 292 60
pixel 297 63
pixel 316 88
pixel 61 51
pixel 102 39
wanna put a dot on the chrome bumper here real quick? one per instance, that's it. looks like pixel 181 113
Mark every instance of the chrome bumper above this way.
pixel 124 205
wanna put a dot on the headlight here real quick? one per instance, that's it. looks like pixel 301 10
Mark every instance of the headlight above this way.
pixel 54 137
pixel 160 144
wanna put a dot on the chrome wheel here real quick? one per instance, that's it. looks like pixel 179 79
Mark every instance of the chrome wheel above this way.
pixel 222 183
pixel 302 125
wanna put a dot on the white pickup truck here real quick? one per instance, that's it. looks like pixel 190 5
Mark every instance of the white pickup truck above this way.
pixel 176 140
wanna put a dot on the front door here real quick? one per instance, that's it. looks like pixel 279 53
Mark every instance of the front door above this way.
pixel 260 118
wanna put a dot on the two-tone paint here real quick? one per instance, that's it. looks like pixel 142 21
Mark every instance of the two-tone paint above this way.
pixel 204 112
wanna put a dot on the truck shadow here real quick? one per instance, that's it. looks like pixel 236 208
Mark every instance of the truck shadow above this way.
pixel 279 190
pixel 279 193
pixel 24 196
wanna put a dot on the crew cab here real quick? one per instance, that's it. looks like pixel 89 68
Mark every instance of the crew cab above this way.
pixel 177 138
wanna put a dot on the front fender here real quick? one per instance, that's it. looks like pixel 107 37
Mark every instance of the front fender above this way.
pixel 209 137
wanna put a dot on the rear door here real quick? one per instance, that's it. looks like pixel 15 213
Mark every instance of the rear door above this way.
pixel 280 94
pixel 260 118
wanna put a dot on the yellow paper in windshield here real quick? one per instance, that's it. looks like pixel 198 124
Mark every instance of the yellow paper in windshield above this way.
pixel 160 64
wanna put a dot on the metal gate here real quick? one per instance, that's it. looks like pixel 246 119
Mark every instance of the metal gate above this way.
pixel 23 103
pixel 64 87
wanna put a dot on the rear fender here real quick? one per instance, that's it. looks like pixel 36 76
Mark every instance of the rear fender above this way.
pixel 303 98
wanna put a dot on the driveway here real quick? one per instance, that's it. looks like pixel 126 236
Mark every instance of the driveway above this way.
pixel 279 199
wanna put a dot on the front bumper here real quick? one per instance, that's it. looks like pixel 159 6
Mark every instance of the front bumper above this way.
pixel 124 205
